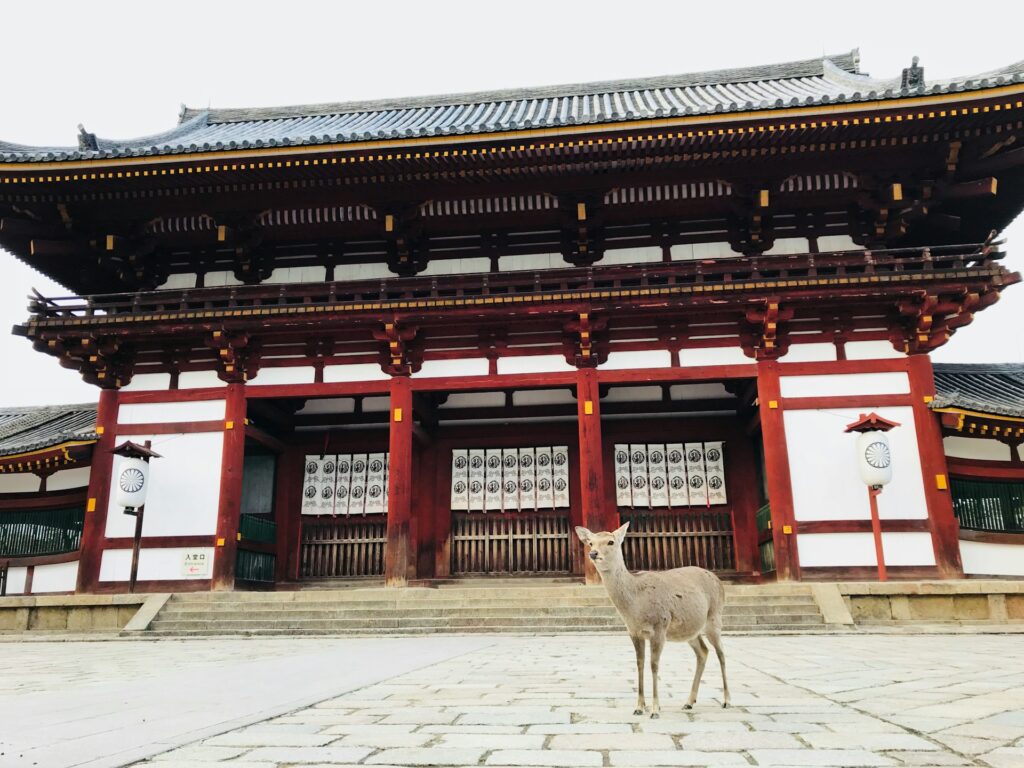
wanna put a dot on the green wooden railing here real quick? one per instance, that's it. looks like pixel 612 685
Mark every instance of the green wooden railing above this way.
pixel 257 528
pixel 982 505
pixel 35 532
pixel 764 517
pixel 255 566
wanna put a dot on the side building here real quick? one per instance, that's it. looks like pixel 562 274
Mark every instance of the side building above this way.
pixel 424 338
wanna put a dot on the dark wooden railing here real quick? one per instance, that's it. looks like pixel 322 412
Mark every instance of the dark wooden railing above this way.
pixel 339 547
pixel 255 560
pixel 660 540
pixel 35 532
pixel 176 303
pixel 523 543
pixel 989 506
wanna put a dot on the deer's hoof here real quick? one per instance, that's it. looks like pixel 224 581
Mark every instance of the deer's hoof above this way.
pixel 687 706
pixel 655 716
pixel 638 711
pixel 725 705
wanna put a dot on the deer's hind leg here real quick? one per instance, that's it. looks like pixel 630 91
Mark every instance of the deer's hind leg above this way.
pixel 714 635
pixel 639 645
pixel 702 657
pixel 657 644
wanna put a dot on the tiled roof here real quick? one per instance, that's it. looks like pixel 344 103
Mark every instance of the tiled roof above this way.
pixel 988 388
pixel 828 80
pixel 33 429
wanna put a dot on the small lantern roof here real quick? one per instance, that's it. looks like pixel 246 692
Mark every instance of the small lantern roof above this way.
pixel 871 422
pixel 135 451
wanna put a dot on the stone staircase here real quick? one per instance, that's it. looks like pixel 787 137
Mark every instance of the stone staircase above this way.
pixel 534 606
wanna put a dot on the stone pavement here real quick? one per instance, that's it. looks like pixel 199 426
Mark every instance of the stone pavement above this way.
pixel 841 700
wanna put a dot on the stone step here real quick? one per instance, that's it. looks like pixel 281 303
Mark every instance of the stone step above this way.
pixel 446 599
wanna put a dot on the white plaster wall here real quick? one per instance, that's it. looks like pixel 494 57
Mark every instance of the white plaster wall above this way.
pixel 309 274
pixel 980 448
pixel 644 255
pixel 145 382
pixel 713 356
pixel 470 366
pixel 154 564
pixel 356 372
pixel 810 353
pixel 377 403
pixel 632 395
pixel 787 245
pixel 701 251
pixel 638 361
pixel 157 413
pixel 184 490
pixel 22 482
pixel 707 391
pixel 837 385
pixel 16 581
pixel 374 271
pixel 56 577
pixel 532 261
pixel 199 380
pixel 533 364
pixel 992 559
pixel 871 350
pixel 68 478
pixel 823 550
pixel 475 400
pixel 304 374
pixel 543 397
pixel 220 279
pixel 838 243
pixel 909 548
pixel 178 281
pixel 456 266
pixel 329 405
pixel 823 468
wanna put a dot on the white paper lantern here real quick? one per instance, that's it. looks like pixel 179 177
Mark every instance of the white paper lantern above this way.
pixel 132 482
pixel 874 458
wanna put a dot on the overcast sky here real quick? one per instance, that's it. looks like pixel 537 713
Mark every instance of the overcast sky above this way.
pixel 124 68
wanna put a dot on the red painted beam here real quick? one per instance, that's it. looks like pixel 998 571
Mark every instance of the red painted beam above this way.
pixel 398 549
pixel 844 401
pixel 591 468
pixel 170 428
pixel 230 504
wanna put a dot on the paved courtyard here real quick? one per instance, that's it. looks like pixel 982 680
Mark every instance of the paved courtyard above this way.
pixel 854 700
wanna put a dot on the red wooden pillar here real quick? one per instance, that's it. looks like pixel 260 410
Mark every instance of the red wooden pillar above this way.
pixel 287 512
pixel 230 506
pixel 596 516
pixel 776 465
pixel 741 464
pixel 94 529
pixel 398 554
pixel 944 526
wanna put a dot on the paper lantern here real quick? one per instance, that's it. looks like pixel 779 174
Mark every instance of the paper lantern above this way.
pixel 132 482
pixel 874 458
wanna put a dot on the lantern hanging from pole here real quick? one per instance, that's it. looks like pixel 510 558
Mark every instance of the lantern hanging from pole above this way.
pixel 132 481
pixel 874 456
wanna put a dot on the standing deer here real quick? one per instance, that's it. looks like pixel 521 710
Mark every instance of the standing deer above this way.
pixel 681 604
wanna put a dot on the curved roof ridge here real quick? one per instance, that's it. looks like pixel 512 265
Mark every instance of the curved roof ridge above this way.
pixel 848 62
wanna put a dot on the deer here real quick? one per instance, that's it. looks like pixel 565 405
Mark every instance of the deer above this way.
pixel 681 604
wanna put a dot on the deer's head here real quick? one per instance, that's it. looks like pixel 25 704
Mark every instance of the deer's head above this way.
pixel 604 549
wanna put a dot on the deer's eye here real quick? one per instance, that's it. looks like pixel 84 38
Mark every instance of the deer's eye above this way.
pixel 611 543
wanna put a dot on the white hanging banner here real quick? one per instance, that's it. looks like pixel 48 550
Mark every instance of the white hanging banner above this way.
pixel 527 479
pixel 676 469
pixel 623 495
pixel 695 477
pixel 328 475
pixel 560 475
pixel 510 479
pixel 656 472
pixel 714 466
pixel 375 484
pixel 476 480
pixel 387 479
pixel 492 486
pixel 460 480
pixel 311 486
pixel 343 484
pixel 638 475
pixel 545 479
pixel 357 491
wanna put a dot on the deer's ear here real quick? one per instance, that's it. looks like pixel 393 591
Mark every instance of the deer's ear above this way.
pixel 620 533
pixel 584 534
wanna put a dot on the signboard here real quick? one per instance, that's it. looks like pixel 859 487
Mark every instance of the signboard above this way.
pixel 196 564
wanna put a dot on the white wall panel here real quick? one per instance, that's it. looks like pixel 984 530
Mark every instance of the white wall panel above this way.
pixel 700 251
pixel 824 550
pixel 810 353
pixel 992 559
pixel 543 397
pixel 178 281
pixel 22 482
pixel 456 266
pixel 838 243
pixel 699 391
pixel 644 255
pixel 474 400
pixel 824 474
pixel 16 581
pixel 532 261
pixel 469 366
pixel 713 356
pixel 310 274
pixel 787 245
pixel 632 395
pixel 329 405
pixel 199 380
pixel 908 548
pixel 356 372
pixel 156 413
pixel 639 360
pixel 146 382
pixel 164 564
pixel 184 491
pixel 68 478
pixel 220 279
pixel 533 364
pixel 374 271
pixel 300 374
pixel 979 448
pixel 838 385
pixel 871 350
pixel 56 577
pixel 377 403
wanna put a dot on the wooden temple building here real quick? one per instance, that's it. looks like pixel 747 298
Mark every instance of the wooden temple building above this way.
pixel 423 338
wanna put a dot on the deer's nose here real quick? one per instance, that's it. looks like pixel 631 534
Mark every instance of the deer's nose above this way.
pixel 593 555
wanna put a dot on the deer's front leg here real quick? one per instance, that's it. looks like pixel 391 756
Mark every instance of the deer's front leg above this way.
pixel 639 647
pixel 657 644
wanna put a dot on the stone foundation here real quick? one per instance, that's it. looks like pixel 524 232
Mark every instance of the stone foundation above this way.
pixel 69 613
pixel 934 601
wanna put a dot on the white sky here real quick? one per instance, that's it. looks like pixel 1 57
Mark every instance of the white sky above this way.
pixel 123 68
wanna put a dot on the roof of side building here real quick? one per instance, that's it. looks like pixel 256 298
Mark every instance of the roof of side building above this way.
pixel 33 428
pixel 991 388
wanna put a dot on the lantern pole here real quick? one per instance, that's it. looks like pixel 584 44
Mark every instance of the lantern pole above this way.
pixel 137 538
pixel 875 465
pixel 876 531
pixel 144 453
